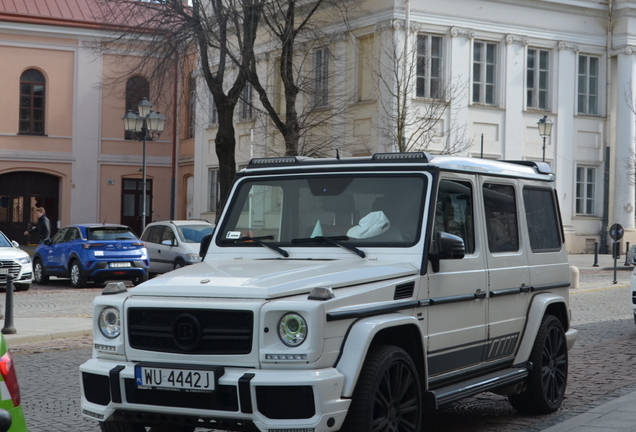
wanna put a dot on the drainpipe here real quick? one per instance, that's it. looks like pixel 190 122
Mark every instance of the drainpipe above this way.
pixel 606 178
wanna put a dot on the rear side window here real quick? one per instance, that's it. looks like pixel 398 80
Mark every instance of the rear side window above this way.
pixel 111 234
pixel 501 217
pixel 543 222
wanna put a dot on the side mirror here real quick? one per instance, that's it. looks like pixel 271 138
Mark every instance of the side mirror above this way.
pixel 15 244
pixel 47 242
pixel 5 420
pixel 205 244
pixel 167 243
pixel 449 246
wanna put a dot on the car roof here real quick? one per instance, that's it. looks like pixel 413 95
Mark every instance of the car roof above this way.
pixel 182 222
pixel 97 225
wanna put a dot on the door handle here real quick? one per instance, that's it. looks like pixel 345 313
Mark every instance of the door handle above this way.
pixel 480 295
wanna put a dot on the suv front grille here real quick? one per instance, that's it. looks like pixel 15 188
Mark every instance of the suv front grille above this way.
pixel 14 269
pixel 191 331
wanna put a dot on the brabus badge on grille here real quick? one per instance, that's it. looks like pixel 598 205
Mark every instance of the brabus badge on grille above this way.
pixel 186 332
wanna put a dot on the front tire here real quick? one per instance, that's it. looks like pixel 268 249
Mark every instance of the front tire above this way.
pixel 78 280
pixel 178 264
pixel 388 394
pixel 38 273
pixel 548 378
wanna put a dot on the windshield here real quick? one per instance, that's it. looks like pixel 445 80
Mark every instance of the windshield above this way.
pixel 194 233
pixel 111 234
pixel 367 210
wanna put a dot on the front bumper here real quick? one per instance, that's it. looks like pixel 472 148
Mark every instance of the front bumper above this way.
pixel 245 399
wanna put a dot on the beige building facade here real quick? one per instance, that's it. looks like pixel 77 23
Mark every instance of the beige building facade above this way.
pixel 62 140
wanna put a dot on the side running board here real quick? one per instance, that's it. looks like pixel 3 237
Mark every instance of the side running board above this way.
pixel 433 399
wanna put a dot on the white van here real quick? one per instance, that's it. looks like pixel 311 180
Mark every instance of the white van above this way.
pixel 341 293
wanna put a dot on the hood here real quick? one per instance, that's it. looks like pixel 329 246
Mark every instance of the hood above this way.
pixel 267 279
pixel 11 253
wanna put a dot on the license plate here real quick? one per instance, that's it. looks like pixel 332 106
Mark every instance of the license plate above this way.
pixel 120 264
pixel 4 271
pixel 167 378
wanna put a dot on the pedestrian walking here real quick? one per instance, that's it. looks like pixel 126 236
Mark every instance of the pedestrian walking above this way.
pixel 43 227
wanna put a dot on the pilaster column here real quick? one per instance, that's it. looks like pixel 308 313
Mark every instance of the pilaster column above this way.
pixel 622 200
pixel 513 132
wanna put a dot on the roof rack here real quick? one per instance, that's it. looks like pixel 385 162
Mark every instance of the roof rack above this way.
pixel 540 167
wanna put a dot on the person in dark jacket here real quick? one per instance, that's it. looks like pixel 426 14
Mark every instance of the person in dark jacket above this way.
pixel 43 226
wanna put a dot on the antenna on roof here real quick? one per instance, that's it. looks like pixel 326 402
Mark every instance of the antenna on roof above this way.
pixel 105 217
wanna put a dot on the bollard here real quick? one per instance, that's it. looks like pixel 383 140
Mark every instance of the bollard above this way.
pixel 595 255
pixel 626 250
pixel 8 319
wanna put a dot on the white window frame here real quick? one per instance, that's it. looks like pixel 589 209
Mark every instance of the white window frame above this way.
pixel 535 75
pixel 213 114
pixel 583 94
pixel 427 72
pixel 482 84
pixel 583 189
pixel 246 110
pixel 321 77
pixel 213 189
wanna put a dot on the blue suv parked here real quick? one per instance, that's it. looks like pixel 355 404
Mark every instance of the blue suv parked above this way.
pixel 92 252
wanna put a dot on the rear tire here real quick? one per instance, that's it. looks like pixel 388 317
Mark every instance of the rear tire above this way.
pixel 548 378
pixel 38 273
pixel 21 287
pixel 388 394
pixel 140 279
pixel 78 280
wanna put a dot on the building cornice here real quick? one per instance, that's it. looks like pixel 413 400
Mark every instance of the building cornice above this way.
pixel 626 50
pixel 514 39
pixel 457 32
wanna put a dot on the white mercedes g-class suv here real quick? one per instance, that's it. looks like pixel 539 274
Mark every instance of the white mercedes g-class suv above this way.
pixel 346 294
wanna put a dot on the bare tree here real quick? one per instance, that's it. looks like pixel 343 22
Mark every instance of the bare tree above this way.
pixel 172 38
pixel 306 109
pixel 415 103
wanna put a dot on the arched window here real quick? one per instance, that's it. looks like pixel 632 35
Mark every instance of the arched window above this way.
pixel 137 88
pixel 32 85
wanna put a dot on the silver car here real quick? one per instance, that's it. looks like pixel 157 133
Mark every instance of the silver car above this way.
pixel 173 244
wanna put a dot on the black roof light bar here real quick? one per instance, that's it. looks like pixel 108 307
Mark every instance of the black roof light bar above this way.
pixel 423 156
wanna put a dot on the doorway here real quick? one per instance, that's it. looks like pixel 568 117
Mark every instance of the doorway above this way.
pixel 20 193
pixel 131 204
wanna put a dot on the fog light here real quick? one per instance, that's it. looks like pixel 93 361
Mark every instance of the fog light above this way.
pixel 285 356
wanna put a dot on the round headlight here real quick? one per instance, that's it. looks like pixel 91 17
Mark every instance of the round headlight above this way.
pixel 292 329
pixel 109 323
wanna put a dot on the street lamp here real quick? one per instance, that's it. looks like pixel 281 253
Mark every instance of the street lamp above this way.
pixel 545 129
pixel 146 125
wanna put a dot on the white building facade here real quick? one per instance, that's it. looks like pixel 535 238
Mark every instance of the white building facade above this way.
pixel 573 61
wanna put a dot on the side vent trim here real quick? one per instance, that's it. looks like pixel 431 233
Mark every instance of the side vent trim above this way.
pixel 404 291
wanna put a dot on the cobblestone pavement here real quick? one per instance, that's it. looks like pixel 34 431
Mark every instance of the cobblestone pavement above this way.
pixel 58 299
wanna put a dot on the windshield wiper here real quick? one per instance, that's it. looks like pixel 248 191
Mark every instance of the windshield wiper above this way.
pixel 258 241
pixel 335 240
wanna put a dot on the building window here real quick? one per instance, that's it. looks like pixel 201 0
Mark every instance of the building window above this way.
pixel 585 186
pixel 137 88
pixel 537 79
pixel 213 114
pixel 213 189
pixel 366 59
pixel 484 73
pixel 429 66
pixel 32 86
pixel 321 77
pixel 192 107
pixel 245 108
pixel 588 85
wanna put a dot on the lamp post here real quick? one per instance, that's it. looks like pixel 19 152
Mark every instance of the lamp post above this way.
pixel 146 125
pixel 545 129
